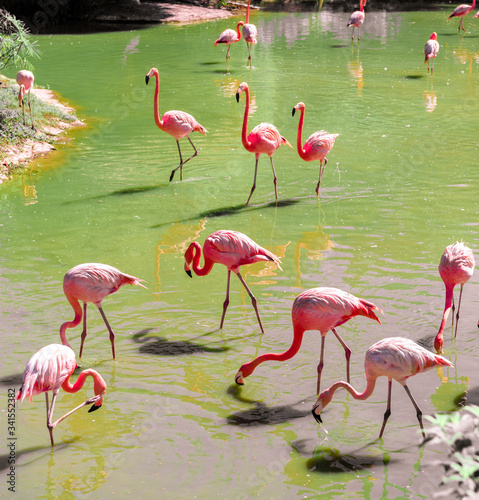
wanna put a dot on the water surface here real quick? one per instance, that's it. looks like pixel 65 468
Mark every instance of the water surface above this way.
pixel 400 185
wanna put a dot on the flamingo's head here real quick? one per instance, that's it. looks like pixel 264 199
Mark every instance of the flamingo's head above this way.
pixel 362 3
pixel 439 343
pixel 323 401
pixel 245 371
pixel 433 36
pixel 299 107
pixel 152 72
pixel 189 254
pixel 21 93
pixel 243 86
pixel 100 390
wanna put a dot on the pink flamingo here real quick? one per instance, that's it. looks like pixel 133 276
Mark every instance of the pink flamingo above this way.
pixel 176 123
pixel 455 268
pixel 462 11
pixel 321 309
pixel 476 15
pixel 249 33
pixel 264 138
pixel 25 79
pixel 229 37
pixel 51 368
pixel 92 283
pixel 357 18
pixel 316 147
pixel 395 358
pixel 431 50
pixel 232 249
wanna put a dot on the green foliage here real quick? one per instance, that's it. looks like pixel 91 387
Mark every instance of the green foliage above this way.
pixel 460 432
pixel 16 45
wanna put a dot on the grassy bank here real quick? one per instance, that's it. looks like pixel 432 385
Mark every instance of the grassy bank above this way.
pixel 17 141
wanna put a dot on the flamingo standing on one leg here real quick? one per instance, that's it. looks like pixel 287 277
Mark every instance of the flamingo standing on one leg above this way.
pixel 455 268
pixel 229 37
pixel 357 18
pixel 316 147
pixel 249 33
pixel 321 309
pixel 396 358
pixel 49 369
pixel 25 79
pixel 176 123
pixel 264 138
pixel 462 11
pixel 92 283
pixel 233 249
pixel 431 50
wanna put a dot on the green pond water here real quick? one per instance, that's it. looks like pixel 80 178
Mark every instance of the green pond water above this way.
pixel 401 184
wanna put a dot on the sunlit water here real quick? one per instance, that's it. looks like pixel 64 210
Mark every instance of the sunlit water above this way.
pixel 400 185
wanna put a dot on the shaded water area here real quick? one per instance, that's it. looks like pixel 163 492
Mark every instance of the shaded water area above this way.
pixel 401 184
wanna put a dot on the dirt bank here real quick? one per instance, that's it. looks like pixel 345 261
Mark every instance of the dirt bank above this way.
pixel 18 155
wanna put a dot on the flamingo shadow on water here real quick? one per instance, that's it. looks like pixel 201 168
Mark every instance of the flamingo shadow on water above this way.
pixel 120 192
pixel 159 346
pixel 324 459
pixel 261 414
pixel 232 210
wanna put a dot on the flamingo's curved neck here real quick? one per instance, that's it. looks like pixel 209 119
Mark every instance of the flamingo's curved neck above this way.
pixel 206 269
pixel 473 5
pixel 244 131
pixel 282 356
pixel 71 324
pixel 238 32
pixel 299 139
pixel 247 12
pixel 68 387
pixel 156 109
pixel 371 383
pixel 438 342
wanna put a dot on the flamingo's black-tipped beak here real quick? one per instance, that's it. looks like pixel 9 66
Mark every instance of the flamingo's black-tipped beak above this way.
pixel 94 408
pixel 239 378
pixel 147 79
pixel 189 273
pixel 317 417
pixel 294 111
pixel 237 96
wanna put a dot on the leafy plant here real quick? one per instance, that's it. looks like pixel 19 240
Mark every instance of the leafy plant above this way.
pixel 460 432
pixel 16 45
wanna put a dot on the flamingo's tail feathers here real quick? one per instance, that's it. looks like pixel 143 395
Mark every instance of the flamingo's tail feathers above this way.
pixel 368 309
pixel 273 258
pixel 131 280
pixel 442 361
pixel 201 129
pixel 285 141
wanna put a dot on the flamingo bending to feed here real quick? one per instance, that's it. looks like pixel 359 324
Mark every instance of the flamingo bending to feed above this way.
pixel 49 369
pixel 176 123
pixel 232 249
pixel 92 283
pixel 316 147
pixel 229 37
pixel 462 11
pixel 264 138
pixel 321 309
pixel 455 268
pixel 357 18
pixel 249 33
pixel 25 80
pixel 431 50
pixel 395 358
